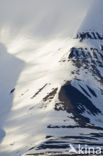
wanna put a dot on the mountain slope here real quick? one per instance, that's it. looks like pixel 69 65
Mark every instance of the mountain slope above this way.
pixel 55 98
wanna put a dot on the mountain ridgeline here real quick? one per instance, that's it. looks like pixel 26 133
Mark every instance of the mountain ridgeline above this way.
pixel 81 96
pixel 89 35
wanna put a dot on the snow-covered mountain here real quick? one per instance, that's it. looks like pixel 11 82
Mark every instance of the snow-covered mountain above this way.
pixel 51 92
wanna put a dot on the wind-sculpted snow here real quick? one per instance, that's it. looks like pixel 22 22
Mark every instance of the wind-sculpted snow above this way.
pixel 55 101
pixel 79 99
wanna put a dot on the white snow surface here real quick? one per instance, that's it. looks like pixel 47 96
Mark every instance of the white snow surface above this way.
pixel 30 54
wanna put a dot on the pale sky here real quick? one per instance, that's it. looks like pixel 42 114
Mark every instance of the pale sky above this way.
pixel 43 18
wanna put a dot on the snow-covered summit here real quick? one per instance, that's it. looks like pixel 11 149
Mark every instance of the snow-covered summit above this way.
pixel 52 89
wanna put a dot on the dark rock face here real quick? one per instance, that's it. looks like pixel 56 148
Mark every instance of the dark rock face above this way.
pixel 55 146
pixel 89 35
pixel 12 90
pixel 87 59
pixel 51 95
pixel 39 91
pixel 77 101
pixel 74 53
pixel 91 91
pixel 79 53
pixel 74 101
